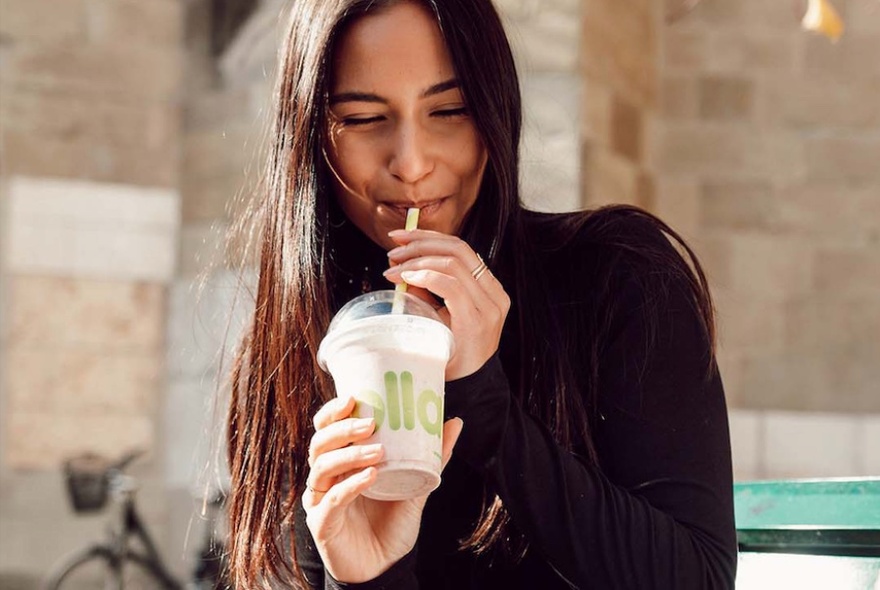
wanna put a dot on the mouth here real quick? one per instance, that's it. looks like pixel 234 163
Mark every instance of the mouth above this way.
pixel 426 208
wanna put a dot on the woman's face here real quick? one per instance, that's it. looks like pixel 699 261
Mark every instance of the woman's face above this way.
pixel 400 132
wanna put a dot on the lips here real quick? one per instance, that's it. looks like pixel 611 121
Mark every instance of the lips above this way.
pixel 425 207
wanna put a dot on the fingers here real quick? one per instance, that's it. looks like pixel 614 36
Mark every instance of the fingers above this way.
pixel 333 456
pixel 331 467
pixel 339 434
pixel 443 276
pixel 424 295
pixel 467 303
pixel 447 275
pixel 339 496
pixel 334 410
pixel 451 430
pixel 424 243
pixel 449 253
pixel 464 306
pixel 476 304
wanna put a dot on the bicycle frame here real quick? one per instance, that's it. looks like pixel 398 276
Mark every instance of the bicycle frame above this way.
pixel 133 526
pixel 115 554
pixel 115 557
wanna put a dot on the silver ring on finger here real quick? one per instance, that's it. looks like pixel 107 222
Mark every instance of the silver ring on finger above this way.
pixel 480 269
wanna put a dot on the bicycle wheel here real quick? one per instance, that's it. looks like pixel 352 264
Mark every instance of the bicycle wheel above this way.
pixel 92 570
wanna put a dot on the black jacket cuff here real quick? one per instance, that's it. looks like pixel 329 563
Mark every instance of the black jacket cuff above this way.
pixel 400 576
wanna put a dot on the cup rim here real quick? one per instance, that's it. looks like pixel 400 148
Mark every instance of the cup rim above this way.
pixel 331 340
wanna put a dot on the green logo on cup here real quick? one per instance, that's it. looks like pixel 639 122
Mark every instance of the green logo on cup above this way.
pixel 401 405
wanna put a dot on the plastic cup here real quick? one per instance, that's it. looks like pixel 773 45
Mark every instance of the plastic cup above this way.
pixel 394 365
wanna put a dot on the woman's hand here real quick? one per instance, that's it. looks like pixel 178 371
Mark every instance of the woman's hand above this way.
pixel 357 538
pixel 476 304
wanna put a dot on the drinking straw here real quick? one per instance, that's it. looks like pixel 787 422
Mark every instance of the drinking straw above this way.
pixel 412 222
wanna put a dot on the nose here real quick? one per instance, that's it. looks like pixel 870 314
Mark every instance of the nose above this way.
pixel 411 159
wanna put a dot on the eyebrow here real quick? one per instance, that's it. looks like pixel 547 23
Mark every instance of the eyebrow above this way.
pixel 368 97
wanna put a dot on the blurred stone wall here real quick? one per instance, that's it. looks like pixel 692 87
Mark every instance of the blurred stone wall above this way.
pixel 545 37
pixel 90 139
pixel 90 134
pixel 619 73
pixel 767 156
pixel 89 173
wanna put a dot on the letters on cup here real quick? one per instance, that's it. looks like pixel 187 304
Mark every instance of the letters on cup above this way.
pixel 401 407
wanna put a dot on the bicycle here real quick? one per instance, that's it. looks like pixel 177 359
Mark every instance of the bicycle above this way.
pixel 113 564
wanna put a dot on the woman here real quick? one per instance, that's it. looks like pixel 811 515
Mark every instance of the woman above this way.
pixel 585 410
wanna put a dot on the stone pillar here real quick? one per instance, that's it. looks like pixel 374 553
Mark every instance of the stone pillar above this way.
pixel 89 175
pixel 619 77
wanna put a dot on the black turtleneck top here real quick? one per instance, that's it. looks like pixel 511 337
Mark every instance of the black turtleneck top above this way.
pixel 655 509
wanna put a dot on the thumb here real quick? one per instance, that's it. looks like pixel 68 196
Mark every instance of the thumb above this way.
pixel 451 431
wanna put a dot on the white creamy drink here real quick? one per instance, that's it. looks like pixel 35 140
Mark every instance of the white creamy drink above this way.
pixel 394 365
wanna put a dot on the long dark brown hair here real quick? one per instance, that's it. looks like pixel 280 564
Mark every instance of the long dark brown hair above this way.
pixel 277 384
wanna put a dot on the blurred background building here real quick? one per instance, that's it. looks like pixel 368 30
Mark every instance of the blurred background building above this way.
pixel 129 127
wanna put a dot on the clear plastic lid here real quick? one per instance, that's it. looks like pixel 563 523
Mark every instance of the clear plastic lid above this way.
pixel 377 303
pixel 359 319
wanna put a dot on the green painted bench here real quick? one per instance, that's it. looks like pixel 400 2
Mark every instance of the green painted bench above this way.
pixel 808 534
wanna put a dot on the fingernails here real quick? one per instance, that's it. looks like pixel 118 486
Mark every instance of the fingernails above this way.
pixel 362 425
pixel 413 276
pixel 391 271
pixel 371 451
pixel 397 232
pixel 395 252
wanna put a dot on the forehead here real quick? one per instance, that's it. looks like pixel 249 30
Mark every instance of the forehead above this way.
pixel 392 49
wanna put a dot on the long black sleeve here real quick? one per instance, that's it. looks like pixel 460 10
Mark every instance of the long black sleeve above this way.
pixel 657 512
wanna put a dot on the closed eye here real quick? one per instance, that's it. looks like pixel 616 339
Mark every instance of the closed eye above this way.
pixel 355 121
pixel 456 112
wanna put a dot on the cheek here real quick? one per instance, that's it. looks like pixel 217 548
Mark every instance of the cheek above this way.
pixel 471 159
pixel 353 163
